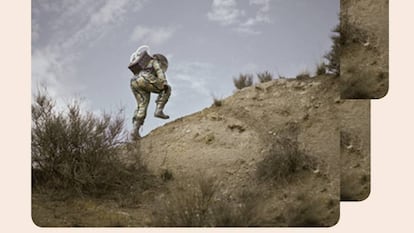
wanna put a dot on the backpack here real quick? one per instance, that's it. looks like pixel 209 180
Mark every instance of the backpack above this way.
pixel 139 61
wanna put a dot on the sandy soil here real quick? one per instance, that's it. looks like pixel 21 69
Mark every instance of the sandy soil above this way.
pixel 365 56
pixel 228 142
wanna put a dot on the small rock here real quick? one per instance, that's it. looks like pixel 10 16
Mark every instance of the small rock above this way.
pixel 123 213
pixel 188 131
pixel 357 165
pixel 258 88
pixel 337 100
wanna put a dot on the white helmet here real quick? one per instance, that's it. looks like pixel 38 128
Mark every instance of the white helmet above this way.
pixel 137 53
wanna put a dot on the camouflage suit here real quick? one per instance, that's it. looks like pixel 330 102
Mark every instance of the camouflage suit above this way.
pixel 150 80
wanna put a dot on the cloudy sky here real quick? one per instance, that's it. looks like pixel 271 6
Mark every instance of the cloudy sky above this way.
pixel 81 48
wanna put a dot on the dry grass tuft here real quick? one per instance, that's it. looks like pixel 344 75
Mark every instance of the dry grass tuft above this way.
pixel 244 80
pixel 200 204
pixel 265 77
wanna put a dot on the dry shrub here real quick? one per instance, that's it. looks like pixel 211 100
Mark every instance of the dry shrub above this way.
pixel 333 56
pixel 244 80
pixel 303 75
pixel 243 212
pixel 186 205
pixel 356 84
pixel 343 35
pixel 217 102
pixel 78 153
pixel 284 159
pixel 348 33
pixel 321 69
pixel 200 204
pixel 265 77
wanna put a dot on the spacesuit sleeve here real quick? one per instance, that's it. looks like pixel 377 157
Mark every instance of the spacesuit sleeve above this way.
pixel 159 71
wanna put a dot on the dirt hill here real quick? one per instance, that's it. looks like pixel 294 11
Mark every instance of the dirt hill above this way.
pixel 269 155
pixel 241 144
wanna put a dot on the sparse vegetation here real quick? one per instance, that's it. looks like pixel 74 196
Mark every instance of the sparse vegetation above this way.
pixel 348 33
pixel 333 56
pixel 285 160
pixel 321 69
pixel 355 186
pixel 244 80
pixel 281 76
pixel 217 102
pixel 303 75
pixel 78 154
pixel 265 77
pixel 355 87
pixel 179 198
pixel 166 175
pixel 309 211
pixel 199 204
pixel 364 50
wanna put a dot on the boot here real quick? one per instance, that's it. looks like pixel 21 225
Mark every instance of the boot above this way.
pixel 159 111
pixel 135 131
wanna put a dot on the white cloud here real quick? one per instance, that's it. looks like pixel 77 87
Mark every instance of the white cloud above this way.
pixel 110 12
pixel 264 4
pixel 192 76
pixel 47 72
pixel 76 25
pixel 262 15
pixel 247 30
pixel 225 12
pixel 152 36
pixel 99 22
pixel 43 70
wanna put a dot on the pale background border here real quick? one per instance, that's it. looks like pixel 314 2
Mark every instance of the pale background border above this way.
pixel 388 208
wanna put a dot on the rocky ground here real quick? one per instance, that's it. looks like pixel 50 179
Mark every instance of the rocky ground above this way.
pixel 355 149
pixel 364 54
pixel 229 142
